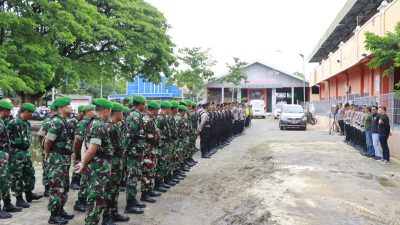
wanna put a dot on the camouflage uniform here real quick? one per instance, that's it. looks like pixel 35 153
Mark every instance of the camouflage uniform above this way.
pixel 162 124
pixel 79 135
pixel 58 161
pixel 114 131
pixel 173 143
pixel 192 120
pixel 135 144
pixel 72 125
pixel 42 132
pixel 183 137
pixel 100 166
pixel 4 175
pixel 150 153
pixel 20 162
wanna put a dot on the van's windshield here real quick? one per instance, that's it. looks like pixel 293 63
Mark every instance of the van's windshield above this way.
pixel 292 109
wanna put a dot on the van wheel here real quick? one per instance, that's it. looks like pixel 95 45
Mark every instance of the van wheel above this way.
pixel 281 127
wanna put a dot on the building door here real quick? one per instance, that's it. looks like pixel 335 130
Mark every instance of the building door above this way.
pixel 269 100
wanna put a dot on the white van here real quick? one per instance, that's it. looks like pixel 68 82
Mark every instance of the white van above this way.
pixel 258 107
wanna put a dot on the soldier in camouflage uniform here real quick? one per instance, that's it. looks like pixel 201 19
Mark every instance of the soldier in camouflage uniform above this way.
pixel 152 137
pixel 72 124
pixel 57 150
pixel 98 158
pixel 114 130
pixel 88 110
pixel 164 147
pixel 5 110
pixel 20 162
pixel 173 130
pixel 122 185
pixel 41 137
pixel 134 144
pixel 192 117
pixel 183 136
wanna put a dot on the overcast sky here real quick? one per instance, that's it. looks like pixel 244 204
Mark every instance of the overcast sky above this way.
pixel 252 30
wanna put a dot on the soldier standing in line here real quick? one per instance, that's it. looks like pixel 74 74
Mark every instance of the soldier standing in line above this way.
pixel 152 136
pixel 41 137
pixel 72 124
pixel 134 144
pixel 57 151
pixel 171 179
pixel 122 184
pixel 5 111
pixel 115 132
pixel 20 162
pixel 192 119
pixel 98 158
pixel 164 147
pixel 88 110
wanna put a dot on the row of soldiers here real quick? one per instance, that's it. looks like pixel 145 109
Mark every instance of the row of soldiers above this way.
pixel 148 143
pixel 354 120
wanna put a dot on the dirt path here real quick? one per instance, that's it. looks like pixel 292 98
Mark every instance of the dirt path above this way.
pixel 269 176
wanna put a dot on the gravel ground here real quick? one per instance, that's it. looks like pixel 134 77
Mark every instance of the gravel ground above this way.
pixel 268 176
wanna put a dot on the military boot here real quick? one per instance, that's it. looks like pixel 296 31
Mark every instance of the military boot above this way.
pixel 46 191
pixel 154 193
pixel 4 215
pixel 115 216
pixel 147 198
pixel 65 215
pixel 158 186
pixel 169 181
pixel 164 184
pixel 31 196
pixel 9 207
pixel 55 218
pixel 80 205
pixel 75 183
pixel 132 208
pixel 21 202
pixel 108 221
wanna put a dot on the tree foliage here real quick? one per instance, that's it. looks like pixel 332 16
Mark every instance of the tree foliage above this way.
pixel 385 50
pixel 45 44
pixel 236 72
pixel 196 72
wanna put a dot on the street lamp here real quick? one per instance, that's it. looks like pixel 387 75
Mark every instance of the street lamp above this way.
pixel 304 79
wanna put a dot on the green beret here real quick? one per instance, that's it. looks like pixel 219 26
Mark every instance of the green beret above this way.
pixel 183 103
pixel 182 108
pixel 88 108
pixel 52 107
pixel 166 104
pixel 102 102
pixel 174 104
pixel 188 103
pixel 62 102
pixel 126 110
pixel 139 99
pixel 117 107
pixel 28 107
pixel 6 105
pixel 81 108
pixel 153 105
pixel 127 99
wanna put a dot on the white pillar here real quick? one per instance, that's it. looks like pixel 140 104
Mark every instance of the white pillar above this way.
pixel 222 94
pixel 273 99
pixel 239 95
pixel 292 95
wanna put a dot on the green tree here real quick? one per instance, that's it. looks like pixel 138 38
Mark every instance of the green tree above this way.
pixel 236 75
pixel 46 44
pixel 197 71
pixel 385 51
pixel 298 74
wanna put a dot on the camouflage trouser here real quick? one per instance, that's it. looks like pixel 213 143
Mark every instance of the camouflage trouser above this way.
pixel 101 172
pixel 171 157
pixel 83 189
pixel 57 173
pixel 192 145
pixel 163 161
pixel 177 153
pixel 22 171
pixel 133 173
pixel 148 169
pixel 4 176
pixel 124 169
pixel 112 188
pixel 45 179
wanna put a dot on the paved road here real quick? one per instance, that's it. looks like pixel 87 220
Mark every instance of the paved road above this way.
pixel 268 176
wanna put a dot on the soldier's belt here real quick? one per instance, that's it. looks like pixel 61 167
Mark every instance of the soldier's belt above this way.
pixel 104 156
